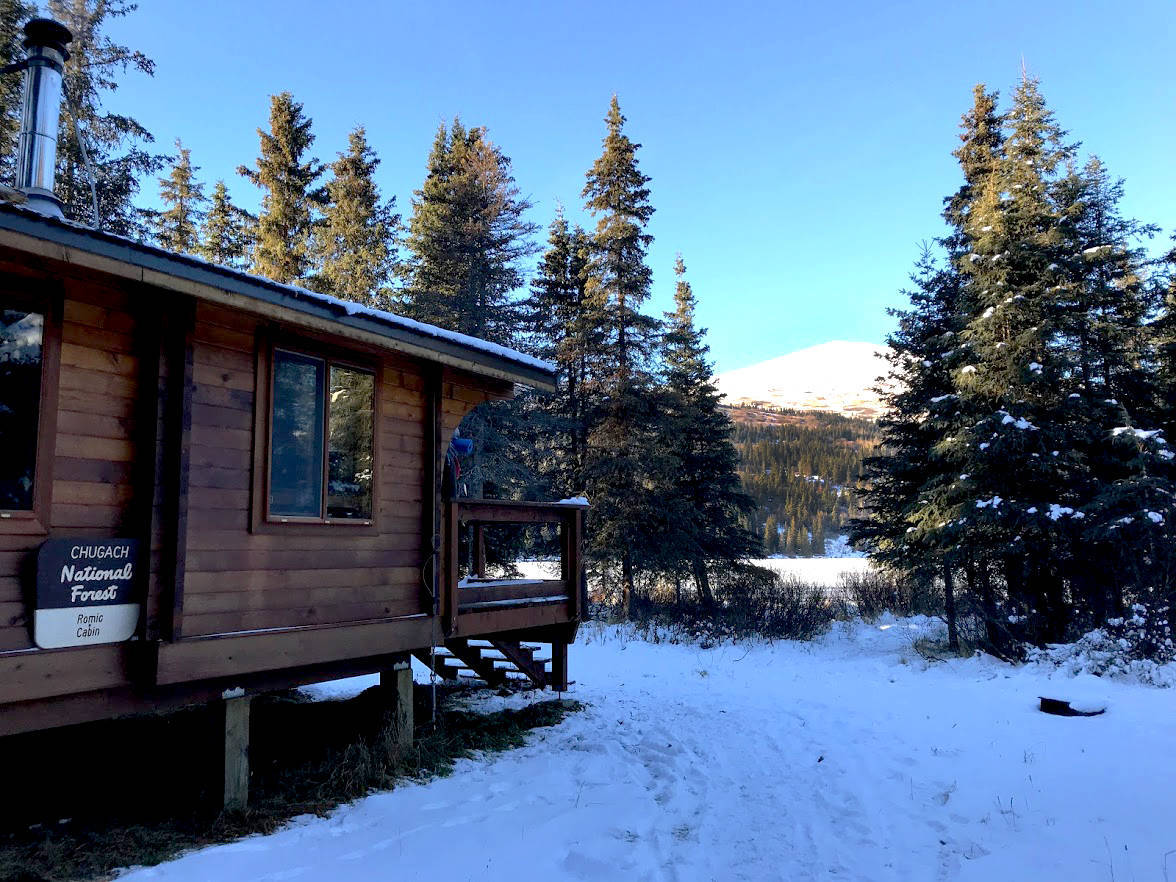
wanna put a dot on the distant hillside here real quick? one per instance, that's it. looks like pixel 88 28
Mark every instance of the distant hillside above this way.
pixel 801 468
pixel 833 377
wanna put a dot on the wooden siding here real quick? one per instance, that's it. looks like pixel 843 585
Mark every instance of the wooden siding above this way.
pixel 93 469
pixel 155 432
pixel 290 575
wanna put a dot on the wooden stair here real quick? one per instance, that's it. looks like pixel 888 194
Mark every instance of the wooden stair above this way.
pixel 496 662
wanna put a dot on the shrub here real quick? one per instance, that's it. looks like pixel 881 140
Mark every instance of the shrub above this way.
pixel 874 592
pixel 750 601
pixel 1139 646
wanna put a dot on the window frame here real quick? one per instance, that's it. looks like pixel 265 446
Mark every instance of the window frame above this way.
pixel 47 298
pixel 262 519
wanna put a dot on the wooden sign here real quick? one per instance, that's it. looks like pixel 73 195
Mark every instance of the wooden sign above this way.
pixel 86 592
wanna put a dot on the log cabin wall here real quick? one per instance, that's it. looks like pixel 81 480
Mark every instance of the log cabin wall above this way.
pixel 93 348
pixel 243 574
pixel 158 425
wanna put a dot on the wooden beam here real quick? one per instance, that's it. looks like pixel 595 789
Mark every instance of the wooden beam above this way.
pixel 450 604
pixel 479 547
pixel 115 701
pixel 491 513
pixel 559 666
pixel 177 438
pixel 39 673
pixel 474 594
pixel 233 655
pixel 433 523
pixel 475 624
pixel 236 794
pixel 397 682
pixel 146 472
pixel 576 580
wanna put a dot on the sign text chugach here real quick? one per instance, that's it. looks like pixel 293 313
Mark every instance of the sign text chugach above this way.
pixel 86 592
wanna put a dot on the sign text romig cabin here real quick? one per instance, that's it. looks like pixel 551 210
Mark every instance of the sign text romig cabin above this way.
pixel 214 483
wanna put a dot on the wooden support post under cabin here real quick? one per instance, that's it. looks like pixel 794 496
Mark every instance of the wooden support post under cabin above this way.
pixel 236 751
pixel 559 666
pixel 448 589
pixel 397 681
pixel 479 543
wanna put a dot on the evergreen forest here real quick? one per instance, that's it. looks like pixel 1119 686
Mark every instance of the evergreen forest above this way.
pixel 1026 465
pixel 1022 469
pixel 802 469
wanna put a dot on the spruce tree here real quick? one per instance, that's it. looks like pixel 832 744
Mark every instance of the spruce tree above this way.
pixel 1024 471
pixel 771 536
pixel 116 144
pixel 1105 301
pixel 356 240
pixel 177 226
pixel 1021 447
pixel 914 483
pixel 818 540
pixel 282 250
pixel 1162 337
pixel 227 236
pixel 704 482
pixel 467 238
pixel 560 326
pixel 625 456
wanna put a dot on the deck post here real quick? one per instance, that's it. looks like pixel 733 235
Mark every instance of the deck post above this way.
pixel 479 544
pixel 236 794
pixel 559 665
pixel 398 681
pixel 448 590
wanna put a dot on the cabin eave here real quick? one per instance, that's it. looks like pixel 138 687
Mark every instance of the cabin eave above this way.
pixel 25 231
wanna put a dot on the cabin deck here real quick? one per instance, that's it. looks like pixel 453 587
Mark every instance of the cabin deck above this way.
pixel 169 673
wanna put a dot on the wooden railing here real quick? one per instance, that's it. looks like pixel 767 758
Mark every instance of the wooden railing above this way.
pixel 512 604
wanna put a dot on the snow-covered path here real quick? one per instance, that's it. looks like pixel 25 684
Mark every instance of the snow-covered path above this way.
pixel 848 758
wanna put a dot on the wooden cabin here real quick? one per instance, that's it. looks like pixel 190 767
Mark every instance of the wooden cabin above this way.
pixel 269 462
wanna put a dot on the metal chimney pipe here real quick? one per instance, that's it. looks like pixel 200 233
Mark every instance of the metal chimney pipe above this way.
pixel 45 42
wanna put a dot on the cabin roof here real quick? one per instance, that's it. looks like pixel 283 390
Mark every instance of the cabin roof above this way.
pixel 26 230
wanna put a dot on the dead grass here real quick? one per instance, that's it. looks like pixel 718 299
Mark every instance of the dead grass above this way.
pixel 153 795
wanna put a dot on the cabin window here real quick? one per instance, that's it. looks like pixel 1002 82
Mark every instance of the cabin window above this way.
pixel 321 452
pixel 22 343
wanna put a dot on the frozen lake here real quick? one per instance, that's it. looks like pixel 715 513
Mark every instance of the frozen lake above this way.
pixel 823 571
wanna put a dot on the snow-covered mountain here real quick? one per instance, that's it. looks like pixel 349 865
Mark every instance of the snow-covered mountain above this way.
pixel 834 377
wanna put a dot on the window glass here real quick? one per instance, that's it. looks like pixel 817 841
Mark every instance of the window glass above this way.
pixel 349 454
pixel 21 336
pixel 296 438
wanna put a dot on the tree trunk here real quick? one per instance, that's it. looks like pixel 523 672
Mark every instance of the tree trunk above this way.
pixel 983 580
pixel 702 580
pixel 949 607
pixel 1059 613
pixel 626 583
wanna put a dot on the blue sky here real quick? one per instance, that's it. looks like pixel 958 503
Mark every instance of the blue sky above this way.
pixel 798 152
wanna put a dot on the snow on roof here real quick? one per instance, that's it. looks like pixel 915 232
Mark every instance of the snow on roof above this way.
pixel 126 248
pixel 353 308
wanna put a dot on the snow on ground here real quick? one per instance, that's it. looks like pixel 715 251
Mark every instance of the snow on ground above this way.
pixel 825 571
pixel 846 758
